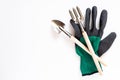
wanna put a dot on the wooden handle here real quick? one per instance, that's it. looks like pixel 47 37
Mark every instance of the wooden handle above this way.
pixel 92 51
pixel 100 60
pixel 97 65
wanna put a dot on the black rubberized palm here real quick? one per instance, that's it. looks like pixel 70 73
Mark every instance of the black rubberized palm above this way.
pixel 91 30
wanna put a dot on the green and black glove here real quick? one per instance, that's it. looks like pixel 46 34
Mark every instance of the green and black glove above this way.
pixel 100 46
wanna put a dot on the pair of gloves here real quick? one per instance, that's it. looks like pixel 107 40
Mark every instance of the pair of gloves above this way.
pixel 87 65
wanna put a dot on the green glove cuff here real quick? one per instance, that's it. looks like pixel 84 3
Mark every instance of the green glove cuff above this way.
pixel 87 64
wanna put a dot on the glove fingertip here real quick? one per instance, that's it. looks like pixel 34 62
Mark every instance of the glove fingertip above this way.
pixel 72 21
pixel 113 35
pixel 104 11
pixel 94 7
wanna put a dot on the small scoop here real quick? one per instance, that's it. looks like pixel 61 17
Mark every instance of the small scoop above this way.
pixel 56 24
pixel 59 26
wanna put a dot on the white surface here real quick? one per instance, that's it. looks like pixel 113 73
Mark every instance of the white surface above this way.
pixel 30 50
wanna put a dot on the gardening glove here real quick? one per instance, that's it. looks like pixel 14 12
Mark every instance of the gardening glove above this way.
pixel 87 65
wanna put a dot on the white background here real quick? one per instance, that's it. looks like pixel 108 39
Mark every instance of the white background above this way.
pixel 30 50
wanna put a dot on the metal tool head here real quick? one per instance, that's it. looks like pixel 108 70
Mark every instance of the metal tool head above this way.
pixel 76 14
pixel 80 13
pixel 56 24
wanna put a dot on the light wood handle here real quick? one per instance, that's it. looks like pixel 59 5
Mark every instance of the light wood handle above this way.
pixel 92 51
pixel 100 60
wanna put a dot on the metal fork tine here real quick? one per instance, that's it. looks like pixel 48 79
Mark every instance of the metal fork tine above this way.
pixel 76 15
pixel 77 19
pixel 71 14
pixel 80 13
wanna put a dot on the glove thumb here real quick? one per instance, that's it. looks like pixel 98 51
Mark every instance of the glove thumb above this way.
pixel 106 43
